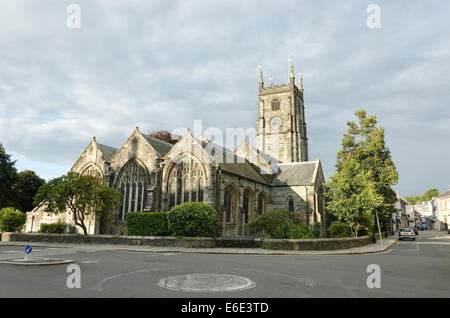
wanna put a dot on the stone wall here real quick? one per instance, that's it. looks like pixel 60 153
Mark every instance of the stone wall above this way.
pixel 199 242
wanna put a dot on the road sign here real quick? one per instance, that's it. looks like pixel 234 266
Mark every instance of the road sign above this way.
pixel 28 249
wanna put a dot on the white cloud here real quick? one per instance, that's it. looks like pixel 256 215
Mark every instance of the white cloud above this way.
pixel 163 64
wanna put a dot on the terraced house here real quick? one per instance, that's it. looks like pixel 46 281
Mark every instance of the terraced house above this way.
pixel 154 175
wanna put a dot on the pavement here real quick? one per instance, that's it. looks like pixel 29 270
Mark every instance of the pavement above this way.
pixel 418 268
pixel 380 246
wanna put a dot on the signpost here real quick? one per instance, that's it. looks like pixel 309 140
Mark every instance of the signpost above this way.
pixel 28 250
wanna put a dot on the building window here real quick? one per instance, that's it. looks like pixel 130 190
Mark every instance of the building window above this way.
pixel 229 204
pixel 261 204
pixel 186 183
pixel 247 205
pixel 133 185
pixel 291 205
pixel 275 104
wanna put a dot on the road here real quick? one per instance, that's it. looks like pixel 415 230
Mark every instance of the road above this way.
pixel 418 268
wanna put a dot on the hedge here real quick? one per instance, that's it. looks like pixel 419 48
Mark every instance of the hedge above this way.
pixel 193 219
pixel 58 227
pixel 147 223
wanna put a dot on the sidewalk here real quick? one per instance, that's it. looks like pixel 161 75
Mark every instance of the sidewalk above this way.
pixel 371 248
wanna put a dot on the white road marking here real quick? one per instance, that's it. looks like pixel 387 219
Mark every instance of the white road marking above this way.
pixel 99 285
pixel 89 262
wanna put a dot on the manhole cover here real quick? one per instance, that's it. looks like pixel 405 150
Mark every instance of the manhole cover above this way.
pixel 206 283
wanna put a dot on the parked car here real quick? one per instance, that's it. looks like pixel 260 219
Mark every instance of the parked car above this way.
pixel 406 233
pixel 415 229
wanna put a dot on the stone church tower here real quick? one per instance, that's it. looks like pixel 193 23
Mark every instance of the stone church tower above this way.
pixel 281 126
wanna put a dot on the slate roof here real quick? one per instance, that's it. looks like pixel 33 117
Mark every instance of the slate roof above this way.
pixel 446 194
pixel 298 173
pixel 245 170
pixel 160 146
pixel 221 154
pixel 108 151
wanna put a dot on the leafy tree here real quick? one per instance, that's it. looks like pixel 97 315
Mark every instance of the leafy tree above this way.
pixel 25 188
pixel 8 174
pixel 81 195
pixel 353 194
pixel 430 194
pixel 365 142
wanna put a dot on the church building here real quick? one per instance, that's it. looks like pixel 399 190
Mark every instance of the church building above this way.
pixel 154 175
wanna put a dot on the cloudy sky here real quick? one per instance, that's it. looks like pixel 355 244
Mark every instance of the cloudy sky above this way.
pixel 164 64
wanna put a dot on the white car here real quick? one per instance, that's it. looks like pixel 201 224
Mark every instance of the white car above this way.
pixel 406 233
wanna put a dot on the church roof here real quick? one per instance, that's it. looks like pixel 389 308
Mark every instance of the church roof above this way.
pixel 108 151
pixel 160 146
pixel 243 169
pixel 296 173
pixel 222 156
pixel 446 194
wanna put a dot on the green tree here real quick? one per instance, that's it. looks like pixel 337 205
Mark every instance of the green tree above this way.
pixel 8 175
pixel 25 188
pixel 430 194
pixel 353 195
pixel 365 142
pixel 81 195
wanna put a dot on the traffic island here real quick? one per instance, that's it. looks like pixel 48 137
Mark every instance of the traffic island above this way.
pixel 36 261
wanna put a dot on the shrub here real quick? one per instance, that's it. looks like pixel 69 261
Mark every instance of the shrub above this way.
pixel 11 220
pixel 276 223
pixel 58 227
pixel 193 219
pixel 147 223
pixel 339 229
pixel 299 231
pixel 315 231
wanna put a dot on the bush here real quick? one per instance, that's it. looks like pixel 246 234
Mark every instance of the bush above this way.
pixel 193 219
pixel 339 229
pixel 299 231
pixel 58 227
pixel 276 223
pixel 11 220
pixel 147 223
pixel 315 231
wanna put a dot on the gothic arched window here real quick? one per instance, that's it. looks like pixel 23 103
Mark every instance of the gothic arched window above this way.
pixel 229 204
pixel 92 170
pixel 133 185
pixel 247 204
pixel 261 204
pixel 275 104
pixel 291 205
pixel 186 183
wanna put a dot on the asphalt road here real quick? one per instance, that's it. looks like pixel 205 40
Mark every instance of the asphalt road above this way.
pixel 418 268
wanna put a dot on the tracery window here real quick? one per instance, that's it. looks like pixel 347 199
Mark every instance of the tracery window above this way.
pixel 186 183
pixel 133 185
pixel 92 170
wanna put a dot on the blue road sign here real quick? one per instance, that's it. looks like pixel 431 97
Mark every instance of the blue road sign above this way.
pixel 28 249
